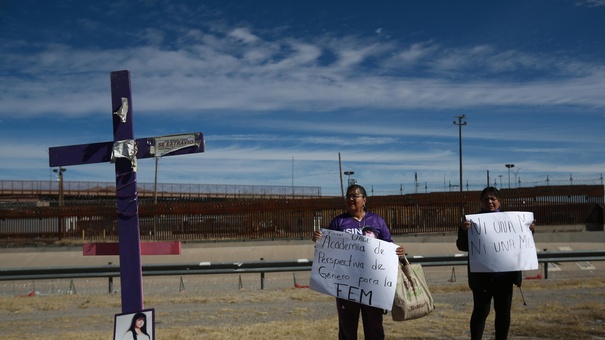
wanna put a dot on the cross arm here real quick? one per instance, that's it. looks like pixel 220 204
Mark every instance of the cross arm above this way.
pixel 146 148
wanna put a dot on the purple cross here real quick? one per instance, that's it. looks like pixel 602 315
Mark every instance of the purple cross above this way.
pixel 124 151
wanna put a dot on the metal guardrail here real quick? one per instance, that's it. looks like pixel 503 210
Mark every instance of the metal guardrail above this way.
pixel 543 257
pixel 202 268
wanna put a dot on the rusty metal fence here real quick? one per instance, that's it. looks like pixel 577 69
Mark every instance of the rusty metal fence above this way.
pixel 216 219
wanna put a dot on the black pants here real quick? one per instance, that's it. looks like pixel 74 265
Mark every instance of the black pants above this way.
pixel 502 293
pixel 348 320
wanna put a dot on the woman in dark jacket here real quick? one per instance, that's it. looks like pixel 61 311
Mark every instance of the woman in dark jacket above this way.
pixel 486 286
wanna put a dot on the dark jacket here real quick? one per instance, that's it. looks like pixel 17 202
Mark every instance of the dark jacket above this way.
pixel 483 281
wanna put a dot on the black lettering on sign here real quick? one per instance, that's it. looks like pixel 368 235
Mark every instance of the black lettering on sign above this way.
pixel 477 248
pixel 478 228
pixel 502 246
pixel 356 294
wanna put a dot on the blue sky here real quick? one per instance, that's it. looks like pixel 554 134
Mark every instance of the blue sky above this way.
pixel 280 88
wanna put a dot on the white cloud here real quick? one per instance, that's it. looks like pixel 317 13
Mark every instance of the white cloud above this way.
pixel 591 3
pixel 212 74
pixel 244 35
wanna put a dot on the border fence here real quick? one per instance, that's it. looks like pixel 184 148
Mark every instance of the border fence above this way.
pixel 24 190
pixel 92 218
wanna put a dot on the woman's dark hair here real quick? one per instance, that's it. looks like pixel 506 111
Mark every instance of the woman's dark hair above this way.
pixel 361 189
pixel 490 190
pixel 133 324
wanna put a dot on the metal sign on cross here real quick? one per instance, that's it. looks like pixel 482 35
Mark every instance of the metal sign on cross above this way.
pixel 124 152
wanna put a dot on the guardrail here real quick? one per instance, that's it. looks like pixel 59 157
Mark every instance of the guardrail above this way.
pixel 543 257
pixel 262 267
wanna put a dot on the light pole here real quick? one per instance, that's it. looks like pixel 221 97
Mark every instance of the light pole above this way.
pixel 460 123
pixel 60 224
pixel 416 181
pixel 349 173
pixel 509 166
pixel 60 172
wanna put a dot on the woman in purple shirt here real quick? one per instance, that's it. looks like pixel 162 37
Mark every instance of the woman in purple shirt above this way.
pixel 359 221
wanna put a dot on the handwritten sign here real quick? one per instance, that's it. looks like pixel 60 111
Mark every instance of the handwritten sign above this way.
pixel 355 268
pixel 501 242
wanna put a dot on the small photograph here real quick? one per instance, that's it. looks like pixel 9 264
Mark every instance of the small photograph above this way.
pixel 134 326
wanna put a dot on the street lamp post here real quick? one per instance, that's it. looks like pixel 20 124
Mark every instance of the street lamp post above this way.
pixel 60 172
pixel 460 123
pixel 509 166
pixel 348 174
pixel 60 223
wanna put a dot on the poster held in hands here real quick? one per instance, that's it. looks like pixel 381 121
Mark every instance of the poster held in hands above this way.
pixel 501 242
pixel 355 268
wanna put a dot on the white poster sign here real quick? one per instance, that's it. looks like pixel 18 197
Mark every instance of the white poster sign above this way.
pixel 501 242
pixel 355 268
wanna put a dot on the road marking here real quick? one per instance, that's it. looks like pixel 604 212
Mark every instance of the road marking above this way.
pixel 585 265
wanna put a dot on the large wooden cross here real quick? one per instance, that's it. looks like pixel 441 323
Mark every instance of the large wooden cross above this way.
pixel 124 151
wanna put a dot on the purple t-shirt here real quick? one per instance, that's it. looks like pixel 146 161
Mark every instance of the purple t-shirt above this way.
pixel 344 222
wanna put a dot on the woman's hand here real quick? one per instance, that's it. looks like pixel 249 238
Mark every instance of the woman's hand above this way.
pixel 316 235
pixel 400 251
pixel 466 225
pixel 532 226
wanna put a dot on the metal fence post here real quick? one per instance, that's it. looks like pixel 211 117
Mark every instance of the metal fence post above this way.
pixel 262 277
pixel 546 268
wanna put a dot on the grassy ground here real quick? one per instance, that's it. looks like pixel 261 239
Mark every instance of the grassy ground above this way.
pixel 556 309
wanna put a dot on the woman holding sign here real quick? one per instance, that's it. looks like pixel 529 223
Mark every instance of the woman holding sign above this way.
pixel 359 221
pixel 485 286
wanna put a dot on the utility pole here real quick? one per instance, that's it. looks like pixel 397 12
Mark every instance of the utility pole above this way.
pixel 516 173
pixel 416 181
pixel 342 190
pixel 460 124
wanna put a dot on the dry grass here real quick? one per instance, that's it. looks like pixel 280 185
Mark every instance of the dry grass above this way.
pixel 557 309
